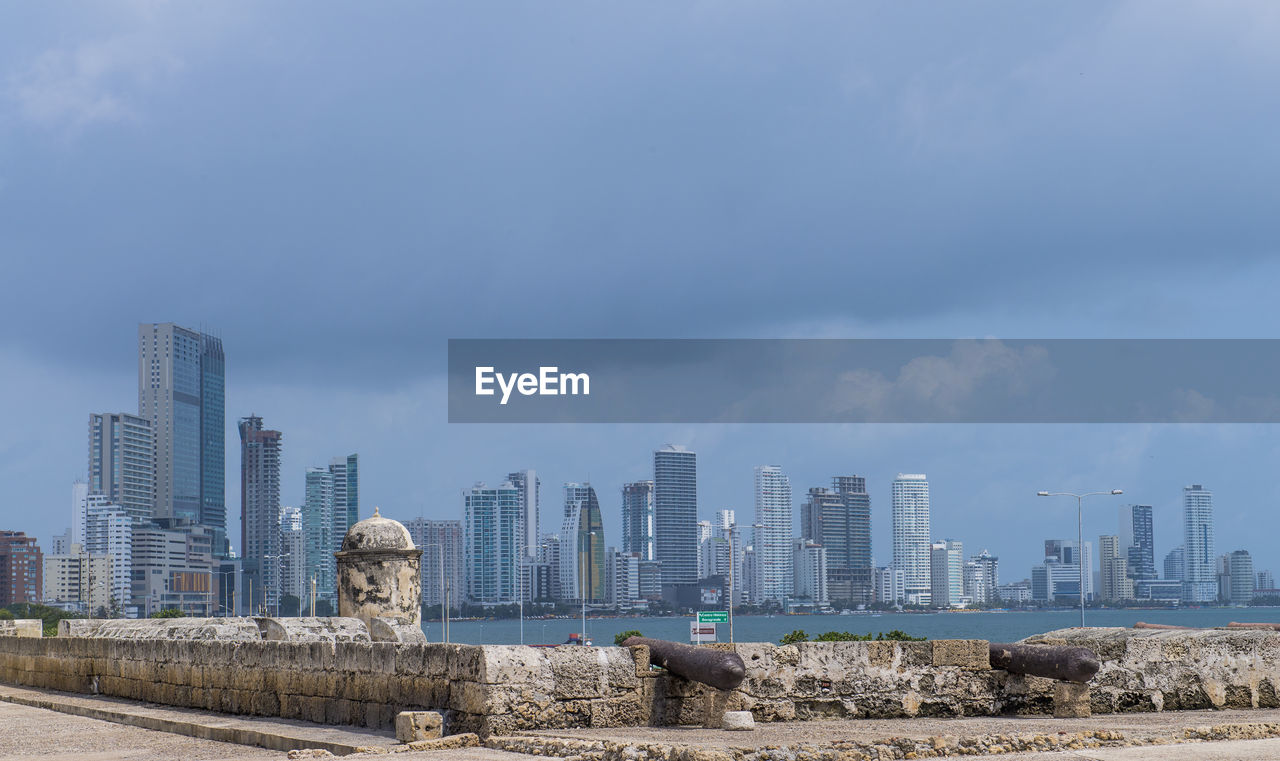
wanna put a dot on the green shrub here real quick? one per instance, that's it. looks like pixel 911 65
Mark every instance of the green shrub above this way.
pixel 621 637
pixel 169 613
pixel 897 635
pixel 797 635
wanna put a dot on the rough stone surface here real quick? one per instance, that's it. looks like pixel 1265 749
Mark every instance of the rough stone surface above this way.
pixel 335 629
pixel 1154 670
pixel 739 721
pixel 395 630
pixel 378 573
pixel 22 627
pixel 1071 701
pixel 414 726
pixel 210 629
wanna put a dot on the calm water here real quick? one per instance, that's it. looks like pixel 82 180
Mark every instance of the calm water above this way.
pixel 988 625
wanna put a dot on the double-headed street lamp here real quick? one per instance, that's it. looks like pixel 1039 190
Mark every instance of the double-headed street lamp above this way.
pixel 1080 530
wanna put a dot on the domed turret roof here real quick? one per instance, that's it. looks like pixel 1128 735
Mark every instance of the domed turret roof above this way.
pixel 377 533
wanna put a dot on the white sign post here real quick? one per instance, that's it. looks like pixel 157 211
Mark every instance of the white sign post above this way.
pixel 698 633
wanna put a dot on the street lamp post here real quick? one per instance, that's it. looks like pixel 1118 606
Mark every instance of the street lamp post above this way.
pixel 1080 531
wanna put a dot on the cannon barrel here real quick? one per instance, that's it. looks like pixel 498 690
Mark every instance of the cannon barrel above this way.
pixel 717 668
pixel 1069 664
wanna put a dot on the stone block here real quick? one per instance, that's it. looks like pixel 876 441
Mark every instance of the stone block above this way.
pixel 414 726
pixel 738 721
pixel 973 654
pixel 384 629
pixel 1071 701
pixel 22 627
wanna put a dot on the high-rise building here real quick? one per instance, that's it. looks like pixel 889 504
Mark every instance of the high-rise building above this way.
pixel 637 519
pixel 582 568
pixel 293 562
pixel 109 533
pixel 810 568
pixel 1199 578
pixel 1173 563
pixel 21 568
pixel 121 462
pixel 182 392
pixel 1137 541
pixel 346 496
pixel 987 590
pixel 441 542
pixel 549 556
pixel 839 519
pixel 706 550
pixel 79 504
pixel 675 514
pixel 530 487
pixel 1116 581
pixel 772 538
pixel 624 578
pixel 1266 580
pixel 911 542
pixel 317 527
pixel 492 543
pixel 260 509
pixel 1241 587
pixel 946 573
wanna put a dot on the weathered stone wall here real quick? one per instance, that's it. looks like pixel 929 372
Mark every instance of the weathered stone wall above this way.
pixel 1154 670
pixel 22 627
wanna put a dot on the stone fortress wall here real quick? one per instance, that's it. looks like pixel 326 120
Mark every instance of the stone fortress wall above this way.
pixel 333 671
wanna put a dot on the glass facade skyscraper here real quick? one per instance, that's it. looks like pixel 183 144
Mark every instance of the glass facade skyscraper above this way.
pixel 582 568
pixel 122 462
pixel 492 543
pixel 675 514
pixel 839 519
pixel 1137 541
pixel 182 392
pixel 637 519
pixel 317 525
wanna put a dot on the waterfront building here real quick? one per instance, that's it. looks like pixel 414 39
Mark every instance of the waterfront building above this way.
pixel 492 543
pixel 317 526
pixel 810 568
pixel 529 491
pixel 1066 552
pixel 182 393
pixel 839 519
pixel 1137 541
pixel 1266 580
pixel 1199 582
pixel 1173 564
pixel 1055 581
pixel 911 541
pixel 772 537
pixel 1014 594
pixel 988 578
pixel 109 532
pixel 582 570
pixel 890 585
pixel 675 514
pixel 946 574
pixel 706 550
pixel 1116 581
pixel 122 462
pixel 436 538
pixel 293 562
pixel 346 497
pixel 1240 588
pixel 638 519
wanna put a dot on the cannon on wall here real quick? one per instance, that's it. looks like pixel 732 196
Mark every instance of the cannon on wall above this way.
pixel 1064 663
pixel 717 668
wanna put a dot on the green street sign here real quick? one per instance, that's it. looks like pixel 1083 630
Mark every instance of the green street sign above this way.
pixel 713 616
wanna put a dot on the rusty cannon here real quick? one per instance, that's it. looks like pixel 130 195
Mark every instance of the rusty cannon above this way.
pixel 717 668
pixel 1065 663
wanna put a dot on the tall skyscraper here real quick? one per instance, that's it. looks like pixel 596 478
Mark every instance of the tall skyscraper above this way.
pixel 109 533
pixel 1173 563
pixel 675 514
pixel 910 503
pixel 984 588
pixel 839 519
pixel 182 391
pixel 346 496
pixel 637 519
pixel 773 541
pixel 1199 576
pixel 122 462
pixel 810 569
pixel 293 563
pixel 530 488
pixel 492 543
pixel 1116 580
pixel 441 543
pixel 260 509
pixel 317 529
pixel 1137 541
pixel 583 569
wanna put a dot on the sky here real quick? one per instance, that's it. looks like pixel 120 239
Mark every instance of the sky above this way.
pixel 336 190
